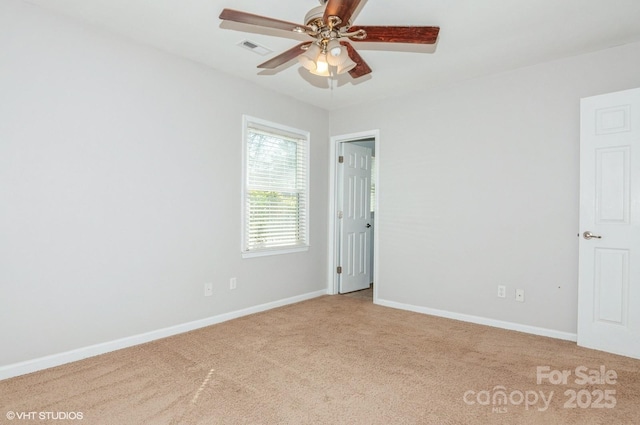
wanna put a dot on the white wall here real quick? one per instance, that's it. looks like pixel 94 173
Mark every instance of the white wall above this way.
pixel 120 189
pixel 479 187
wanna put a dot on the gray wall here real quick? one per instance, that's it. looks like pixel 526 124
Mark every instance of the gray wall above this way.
pixel 479 188
pixel 120 173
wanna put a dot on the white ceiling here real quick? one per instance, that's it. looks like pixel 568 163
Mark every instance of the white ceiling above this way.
pixel 477 37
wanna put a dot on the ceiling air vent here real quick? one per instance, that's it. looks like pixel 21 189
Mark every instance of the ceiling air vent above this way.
pixel 255 47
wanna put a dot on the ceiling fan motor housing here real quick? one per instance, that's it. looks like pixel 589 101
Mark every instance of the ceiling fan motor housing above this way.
pixel 314 16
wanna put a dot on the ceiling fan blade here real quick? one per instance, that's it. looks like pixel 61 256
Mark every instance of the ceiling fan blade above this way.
pixel 361 67
pixel 384 34
pixel 284 57
pixel 262 21
pixel 343 9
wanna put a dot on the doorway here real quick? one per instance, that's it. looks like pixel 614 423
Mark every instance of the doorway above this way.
pixel 353 237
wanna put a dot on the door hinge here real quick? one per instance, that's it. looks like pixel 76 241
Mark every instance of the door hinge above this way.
pixel 339 270
pixel 340 159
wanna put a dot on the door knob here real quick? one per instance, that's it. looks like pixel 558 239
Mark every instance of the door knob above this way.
pixel 368 225
pixel 588 235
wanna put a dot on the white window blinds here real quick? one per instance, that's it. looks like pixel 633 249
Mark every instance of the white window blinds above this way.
pixel 276 188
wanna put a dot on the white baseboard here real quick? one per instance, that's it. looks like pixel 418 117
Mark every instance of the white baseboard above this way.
pixel 481 320
pixel 16 369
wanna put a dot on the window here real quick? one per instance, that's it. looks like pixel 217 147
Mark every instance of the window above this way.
pixel 275 190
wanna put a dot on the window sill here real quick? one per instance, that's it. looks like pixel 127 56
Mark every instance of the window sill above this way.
pixel 266 252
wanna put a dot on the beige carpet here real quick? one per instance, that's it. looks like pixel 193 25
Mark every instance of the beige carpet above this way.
pixel 331 360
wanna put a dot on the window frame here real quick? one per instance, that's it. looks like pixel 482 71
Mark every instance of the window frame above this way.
pixel 286 131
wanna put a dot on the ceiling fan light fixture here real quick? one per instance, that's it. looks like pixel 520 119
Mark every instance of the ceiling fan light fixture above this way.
pixel 307 63
pixel 340 59
pixel 321 74
pixel 346 66
pixel 308 58
pixel 322 67
pixel 334 48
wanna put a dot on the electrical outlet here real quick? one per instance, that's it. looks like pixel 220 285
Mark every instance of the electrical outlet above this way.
pixel 208 289
pixel 520 295
pixel 502 291
pixel 233 283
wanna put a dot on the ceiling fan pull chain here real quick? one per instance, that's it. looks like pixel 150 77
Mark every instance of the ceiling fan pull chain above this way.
pixel 331 83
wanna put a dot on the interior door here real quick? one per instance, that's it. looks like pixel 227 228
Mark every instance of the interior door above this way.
pixel 355 218
pixel 609 270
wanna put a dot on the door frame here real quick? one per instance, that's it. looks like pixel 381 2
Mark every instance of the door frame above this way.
pixel 334 149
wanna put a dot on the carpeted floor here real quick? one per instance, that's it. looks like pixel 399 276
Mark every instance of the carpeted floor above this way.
pixel 334 360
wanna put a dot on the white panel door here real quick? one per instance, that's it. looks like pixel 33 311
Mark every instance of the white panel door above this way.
pixel 609 274
pixel 355 224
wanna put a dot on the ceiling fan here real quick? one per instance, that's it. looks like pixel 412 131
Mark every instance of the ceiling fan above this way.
pixel 329 25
